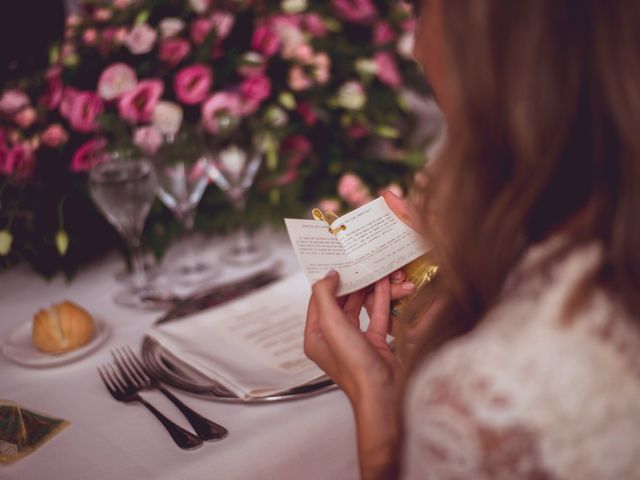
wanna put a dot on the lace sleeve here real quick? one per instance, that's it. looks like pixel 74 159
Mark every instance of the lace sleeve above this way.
pixel 447 440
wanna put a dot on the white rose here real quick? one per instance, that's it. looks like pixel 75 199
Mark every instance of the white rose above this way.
pixel 366 67
pixel 352 96
pixel 167 117
pixel 141 39
pixel 199 6
pixel 13 100
pixel 294 6
pixel 170 26
pixel 405 44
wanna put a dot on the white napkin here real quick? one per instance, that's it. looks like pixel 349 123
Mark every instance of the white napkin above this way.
pixel 253 345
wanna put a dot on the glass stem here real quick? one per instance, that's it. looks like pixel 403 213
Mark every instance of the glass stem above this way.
pixel 188 222
pixel 244 239
pixel 137 261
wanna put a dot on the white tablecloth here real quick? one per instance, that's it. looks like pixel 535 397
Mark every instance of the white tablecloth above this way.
pixel 307 439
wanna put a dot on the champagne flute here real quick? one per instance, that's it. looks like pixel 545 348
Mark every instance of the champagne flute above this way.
pixel 233 169
pixel 182 180
pixel 123 190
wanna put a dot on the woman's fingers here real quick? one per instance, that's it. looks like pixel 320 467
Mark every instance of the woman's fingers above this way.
pixel 353 306
pixel 401 209
pixel 379 313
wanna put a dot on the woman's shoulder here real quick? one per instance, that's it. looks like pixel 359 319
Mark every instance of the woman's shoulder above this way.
pixel 541 389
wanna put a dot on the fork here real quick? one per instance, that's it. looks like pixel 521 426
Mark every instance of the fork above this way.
pixel 132 367
pixel 124 391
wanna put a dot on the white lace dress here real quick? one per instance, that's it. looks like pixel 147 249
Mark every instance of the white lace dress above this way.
pixel 530 393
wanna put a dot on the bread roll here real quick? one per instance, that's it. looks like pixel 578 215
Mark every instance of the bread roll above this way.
pixel 61 328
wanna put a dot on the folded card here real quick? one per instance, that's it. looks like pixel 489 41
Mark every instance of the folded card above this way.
pixel 362 246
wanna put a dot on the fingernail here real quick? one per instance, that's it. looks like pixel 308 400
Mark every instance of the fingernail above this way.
pixel 396 275
pixel 331 274
pixel 408 286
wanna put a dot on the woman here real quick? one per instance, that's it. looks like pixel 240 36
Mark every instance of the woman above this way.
pixel 528 367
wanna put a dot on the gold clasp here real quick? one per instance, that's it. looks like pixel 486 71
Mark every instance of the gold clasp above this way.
pixel 329 218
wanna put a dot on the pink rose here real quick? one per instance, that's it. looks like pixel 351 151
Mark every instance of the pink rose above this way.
pixel 173 50
pixel 116 79
pixel 298 80
pixel 55 136
pixel 265 41
pixel 329 205
pixel 67 101
pixel 192 84
pixel 12 101
pixel 322 64
pixel 141 39
pixel 53 94
pixel 200 30
pixel 383 34
pixel 253 64
pixel 309 116
pixel 89 36
pixel 137 104
pixel 219 105
pixel 223 23
pixel 121 4
pixel 254 91
pixel 409 25
pixel 102 14
pixel 387 69
pixel 20 162
pixel 356 131
pixel 315 25
pixel 25 117
pixel 357 11
pixel 88 155
pixel 148 138
pixel 86 107
pixel 295 149
pixel 303 53
pixel 353 190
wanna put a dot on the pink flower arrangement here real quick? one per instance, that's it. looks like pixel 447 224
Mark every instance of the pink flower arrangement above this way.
pixel 85 109
pixel 192 84
pixel 137 104
pixel 286 76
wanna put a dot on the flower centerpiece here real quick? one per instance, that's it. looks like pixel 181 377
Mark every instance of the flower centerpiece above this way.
pixel 319 86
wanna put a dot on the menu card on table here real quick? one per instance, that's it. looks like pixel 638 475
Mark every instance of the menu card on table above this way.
pixel 253 345
pixel 362 246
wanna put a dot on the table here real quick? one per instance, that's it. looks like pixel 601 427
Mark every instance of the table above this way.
pixel 307 439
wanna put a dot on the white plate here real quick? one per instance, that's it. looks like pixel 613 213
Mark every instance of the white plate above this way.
pixel 18 347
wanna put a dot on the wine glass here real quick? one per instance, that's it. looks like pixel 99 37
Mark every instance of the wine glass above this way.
pixel 182 180
pixel 124 189
pixel 233 168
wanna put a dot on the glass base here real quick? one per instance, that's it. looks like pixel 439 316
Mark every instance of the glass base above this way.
pixel 245 254
pixel 146 299
pixel 192 273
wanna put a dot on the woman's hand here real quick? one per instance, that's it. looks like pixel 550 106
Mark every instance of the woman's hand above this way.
pixel 361 363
